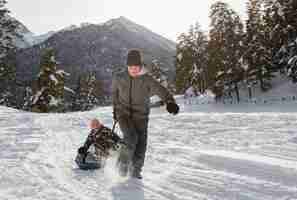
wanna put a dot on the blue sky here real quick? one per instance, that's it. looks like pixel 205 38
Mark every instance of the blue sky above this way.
pixel 166 17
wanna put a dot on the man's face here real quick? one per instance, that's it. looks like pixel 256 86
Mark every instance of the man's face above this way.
pixel 134 70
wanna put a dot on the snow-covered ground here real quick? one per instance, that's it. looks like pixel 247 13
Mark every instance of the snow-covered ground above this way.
pixel 207 152
pixel 282 90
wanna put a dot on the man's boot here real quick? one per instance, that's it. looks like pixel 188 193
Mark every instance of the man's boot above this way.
pixel 136 174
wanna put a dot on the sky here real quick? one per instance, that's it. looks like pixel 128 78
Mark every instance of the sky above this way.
pixel 166 17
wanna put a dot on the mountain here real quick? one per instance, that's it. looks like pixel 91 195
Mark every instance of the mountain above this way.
pixel 26 38
pixel 23 32
pixel 101 48
pixel 37 39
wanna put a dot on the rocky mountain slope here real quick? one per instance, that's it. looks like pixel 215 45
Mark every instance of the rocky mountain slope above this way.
pixel 101 48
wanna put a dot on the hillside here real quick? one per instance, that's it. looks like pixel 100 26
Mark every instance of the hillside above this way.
pixel 97 47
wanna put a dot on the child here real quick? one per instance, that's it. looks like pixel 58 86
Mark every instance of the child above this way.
pixel 103 139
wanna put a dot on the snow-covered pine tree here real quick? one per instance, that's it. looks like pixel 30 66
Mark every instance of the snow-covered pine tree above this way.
pixel 225 49
pixel 258 55
pixel 290 45
pixel 8 31
pixel 281 20
pixel 7 85
pixel 191 60
pixel 183 62
pixel 158 73
pixel 291 58
pixel 198 73
pixel 273 21
pixel 87 93
pixel 49 92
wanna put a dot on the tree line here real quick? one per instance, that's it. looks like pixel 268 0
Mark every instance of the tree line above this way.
pixel 236 54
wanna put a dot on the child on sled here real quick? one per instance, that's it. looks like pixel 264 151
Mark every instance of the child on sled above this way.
pixel 103 140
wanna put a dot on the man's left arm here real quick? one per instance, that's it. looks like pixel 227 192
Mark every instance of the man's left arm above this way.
pixel 157 89
pixel 164 94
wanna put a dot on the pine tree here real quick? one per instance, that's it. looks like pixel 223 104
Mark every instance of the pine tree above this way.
pixel 158 73
pixel 258 56
pixel 182 64
pixel 225 50
pixel 8 85
pixel 88 93
pixel 49 93
pixel 191 60
pixel 8 30
pixel 281 20
pixel 198 73
pixel 252 27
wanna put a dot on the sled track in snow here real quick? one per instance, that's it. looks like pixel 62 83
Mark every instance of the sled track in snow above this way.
pixel 193 156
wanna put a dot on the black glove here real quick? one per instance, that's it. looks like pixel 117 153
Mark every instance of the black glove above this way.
pixel 172 108
pixel 82 150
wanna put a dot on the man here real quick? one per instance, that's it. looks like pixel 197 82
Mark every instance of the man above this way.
pixel 131 92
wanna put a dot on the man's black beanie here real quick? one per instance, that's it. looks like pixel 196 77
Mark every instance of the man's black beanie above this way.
pixel 134 58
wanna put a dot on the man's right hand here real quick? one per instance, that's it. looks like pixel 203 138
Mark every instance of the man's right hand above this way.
pixel 172 108
pixel 82 150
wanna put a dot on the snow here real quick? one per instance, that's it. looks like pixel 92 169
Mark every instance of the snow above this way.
pixel 54 101
pixel 53 78
pixel 280 11
pixel 292 60
pixel 62 73
pixel 207 152
pixel 190 98
pixel 103 50
pixel 220 73
pixel 70 28
pixel 190 92
pixel 30 39
pixel 180 56
pixel 37 96
pixel 69 90
pixel 85 24
pixel 53 59
pixel 282 88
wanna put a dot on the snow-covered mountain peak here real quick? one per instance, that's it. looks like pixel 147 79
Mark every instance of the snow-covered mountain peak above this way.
pixel 28 38
pixel 125 23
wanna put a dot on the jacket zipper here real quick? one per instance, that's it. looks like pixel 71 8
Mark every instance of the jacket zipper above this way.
pixel 130 97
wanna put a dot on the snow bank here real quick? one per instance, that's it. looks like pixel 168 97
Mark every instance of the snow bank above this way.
pixel 207 98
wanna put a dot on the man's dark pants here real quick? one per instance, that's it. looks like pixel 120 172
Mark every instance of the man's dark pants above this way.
pixel 135 136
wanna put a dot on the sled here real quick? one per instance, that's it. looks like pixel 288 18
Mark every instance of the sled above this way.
pixel 92 162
